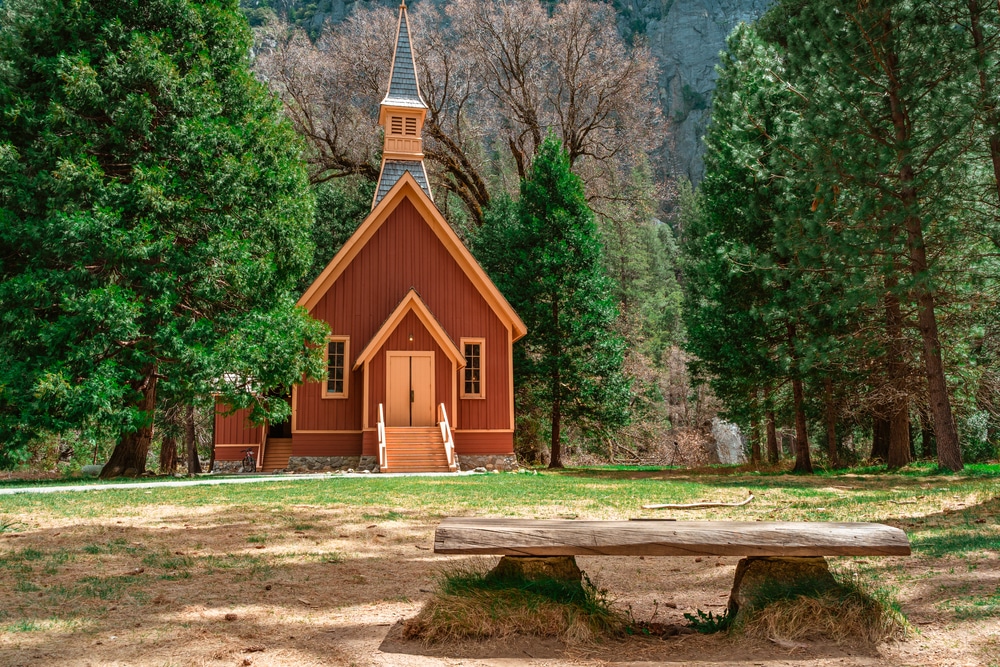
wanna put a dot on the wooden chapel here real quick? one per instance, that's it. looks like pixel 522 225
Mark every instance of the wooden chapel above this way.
pixel 420 364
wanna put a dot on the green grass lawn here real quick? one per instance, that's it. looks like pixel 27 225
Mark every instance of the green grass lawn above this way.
pixel 942 514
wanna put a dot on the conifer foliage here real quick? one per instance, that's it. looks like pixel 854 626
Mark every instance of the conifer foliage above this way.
pixel 850 202
pixel 154 216
pixel 544 253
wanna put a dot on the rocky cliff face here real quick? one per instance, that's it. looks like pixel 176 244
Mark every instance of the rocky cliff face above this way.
pixel 685 35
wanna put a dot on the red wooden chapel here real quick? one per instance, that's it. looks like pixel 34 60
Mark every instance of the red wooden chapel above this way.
pixel 420 366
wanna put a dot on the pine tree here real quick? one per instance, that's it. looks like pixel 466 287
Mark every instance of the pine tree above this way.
pixel 884 139
pixel 744 302
pixel 154 216
pixel 545 256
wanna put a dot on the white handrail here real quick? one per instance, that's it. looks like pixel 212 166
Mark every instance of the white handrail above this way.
pixel 449 444
pixel 381 438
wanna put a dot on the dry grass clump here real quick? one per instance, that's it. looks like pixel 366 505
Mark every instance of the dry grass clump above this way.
pixel 854 612
pixel 476 605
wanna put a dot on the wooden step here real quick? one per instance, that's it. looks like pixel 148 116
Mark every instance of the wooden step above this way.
pixel 415 449
pixel 276 454
pixel 393 461
pixel 413 433
pixel 417 469
pixel 430 459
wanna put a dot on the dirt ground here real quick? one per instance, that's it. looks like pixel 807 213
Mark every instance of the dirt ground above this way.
pixel 322 585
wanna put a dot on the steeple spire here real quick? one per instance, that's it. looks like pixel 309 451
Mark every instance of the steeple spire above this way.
pixel 402 114
pixel 403 87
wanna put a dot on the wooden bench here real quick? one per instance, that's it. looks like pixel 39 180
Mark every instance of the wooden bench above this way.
pixel 769 549
pixel 553 537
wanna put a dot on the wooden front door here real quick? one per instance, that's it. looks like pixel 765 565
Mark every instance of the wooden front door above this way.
pixel 409 389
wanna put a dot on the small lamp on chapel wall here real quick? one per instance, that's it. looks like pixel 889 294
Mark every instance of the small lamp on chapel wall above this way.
pixel 411 338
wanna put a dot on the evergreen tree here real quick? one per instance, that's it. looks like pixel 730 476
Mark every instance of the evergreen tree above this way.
pixel 341 205
pixel 545 256
pixel 744 302
pixel 890 110
pixel 154 216
pixel 640 257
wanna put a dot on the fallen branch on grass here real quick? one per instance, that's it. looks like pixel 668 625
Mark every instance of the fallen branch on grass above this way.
pixel 693 506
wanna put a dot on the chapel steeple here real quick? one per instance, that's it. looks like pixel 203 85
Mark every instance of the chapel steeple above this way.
pixel 402 114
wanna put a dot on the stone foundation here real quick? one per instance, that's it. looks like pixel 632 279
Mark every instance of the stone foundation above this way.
pixel 505 462
pixel 332 463
pixel 491 462
pixel 228 466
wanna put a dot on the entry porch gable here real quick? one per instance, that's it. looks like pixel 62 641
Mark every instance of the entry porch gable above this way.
pixel 389 340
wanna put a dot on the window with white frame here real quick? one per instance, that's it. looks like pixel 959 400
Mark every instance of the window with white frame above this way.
pixel 473 381
pixel 337 370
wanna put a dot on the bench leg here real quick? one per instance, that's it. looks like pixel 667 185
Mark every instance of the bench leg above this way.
pixel 538 567
pixel 753 572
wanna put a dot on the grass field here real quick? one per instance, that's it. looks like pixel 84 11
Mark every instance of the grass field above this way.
pixel 321 571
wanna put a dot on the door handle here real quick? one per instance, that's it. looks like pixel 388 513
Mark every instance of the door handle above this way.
pixel 411 396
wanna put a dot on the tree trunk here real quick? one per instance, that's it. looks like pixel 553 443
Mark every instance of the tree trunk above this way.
pixel 755 433
pixel 803 464
pixel 899 435
pixel 949 453
pixel 899 410
pixel 831 424
pixel 555 446
pixel 168 455
pixel 773 454
pixel 191 443
pixel 129 456
pixel 928 447
pixel 880 439
pixel 769 427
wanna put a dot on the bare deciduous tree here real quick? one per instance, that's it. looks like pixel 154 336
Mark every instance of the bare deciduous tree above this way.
pixel 496 76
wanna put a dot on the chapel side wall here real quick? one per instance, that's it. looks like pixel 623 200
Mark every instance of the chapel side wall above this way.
pixel 235 428
pixel 405 253
pixel 478 442
pixel 493 411
pixel 326 444
pixel 234 434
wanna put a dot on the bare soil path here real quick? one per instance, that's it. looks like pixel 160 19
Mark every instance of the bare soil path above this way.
pixel 323 572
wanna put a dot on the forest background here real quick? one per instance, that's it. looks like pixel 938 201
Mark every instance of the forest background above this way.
pixel 833 274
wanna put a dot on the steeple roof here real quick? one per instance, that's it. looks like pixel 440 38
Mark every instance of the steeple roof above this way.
pixel 402 115
pixel 403 88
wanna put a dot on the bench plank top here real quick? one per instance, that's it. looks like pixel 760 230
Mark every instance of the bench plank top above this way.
pixel 554 537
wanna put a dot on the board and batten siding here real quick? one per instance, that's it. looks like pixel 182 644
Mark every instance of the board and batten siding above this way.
pixel 234 429
pixel 405 253
pixel 326 444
